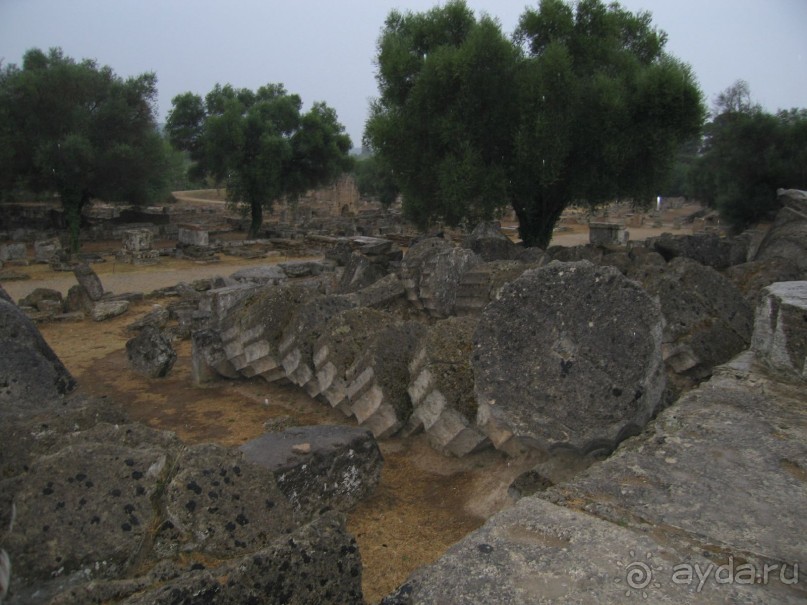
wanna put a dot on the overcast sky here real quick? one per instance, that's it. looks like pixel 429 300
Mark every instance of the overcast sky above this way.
pixel 324 50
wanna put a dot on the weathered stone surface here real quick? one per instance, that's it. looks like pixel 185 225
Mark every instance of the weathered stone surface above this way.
pixel 536 552
pixel 483 283
pixel 13 251
pixel 107 309
pixel 373 246
pixel 193 235
pixel 218 301
pixel 412 265
pixel 208 359
pixel 707 320
pixel 97 503
pixel 378 379
pixel 382 293
pixel 30 373
pixel 318 563
pixel 532 255
pixel 362 271
pixel 706 248
pixel 569 356
pixel 78 300
pixel 296 347
pixel 157 317
pixel 749 466
pixel 780 328
pixel 90 503
pixel 788 236
pixel 751 278
pixel 440 277
pixel 340 252
pixel 264 275
pixel 89 280
pixel 46 250
pixel 151 353
pixel 10 275
pixel 35 298
pixel 40 428
pixel 137 240
pixel 319 467
pixel 218 503
pixel 607 233
pixel 489 243
pixel 251 329
pixel 342 341
pixel 304 268
pixel 69 317
pixel 441 387
pixel 690 512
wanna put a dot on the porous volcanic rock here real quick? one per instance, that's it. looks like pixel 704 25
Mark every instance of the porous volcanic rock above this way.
pixel 30 373
pixel 569 356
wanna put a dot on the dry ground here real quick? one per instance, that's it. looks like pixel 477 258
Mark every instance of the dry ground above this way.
pixel 424 503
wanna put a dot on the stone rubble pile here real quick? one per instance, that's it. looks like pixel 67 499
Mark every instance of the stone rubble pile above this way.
pixel 567 354
pixel 130 514
pixel 588 350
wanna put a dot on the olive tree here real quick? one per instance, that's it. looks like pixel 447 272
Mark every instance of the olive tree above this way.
pixel 77 130
pixel 746 155
pixel 583 105
pixel 259 144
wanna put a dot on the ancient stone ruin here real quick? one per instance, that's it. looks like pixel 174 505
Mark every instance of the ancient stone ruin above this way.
pixel 656 390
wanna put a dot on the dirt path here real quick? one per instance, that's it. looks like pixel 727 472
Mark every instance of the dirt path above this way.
pixel 122 277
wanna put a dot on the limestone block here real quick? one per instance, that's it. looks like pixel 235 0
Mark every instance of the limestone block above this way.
pixel 137 240
pixel 441 387
pixel 107 309
pixel 193 235
pixel 606 233
pixel 342 341
pixel 412 265
pixel 378 379
pixel 46 250
pixel 489 243
pixel 296 347
pixel 89 280
pixel 780 328
pixel 151 353
pixel 440 277
pixel 319 466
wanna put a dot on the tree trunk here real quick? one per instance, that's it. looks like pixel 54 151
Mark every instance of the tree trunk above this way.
pixel 256 223
pixel 73 204
pixel 537 218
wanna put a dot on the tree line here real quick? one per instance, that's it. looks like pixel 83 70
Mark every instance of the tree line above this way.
pixel 581 105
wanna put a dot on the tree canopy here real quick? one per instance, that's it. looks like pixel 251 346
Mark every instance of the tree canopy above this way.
pixel 746 155
pixel 581 106
pixel 259 144
pixel 78 130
